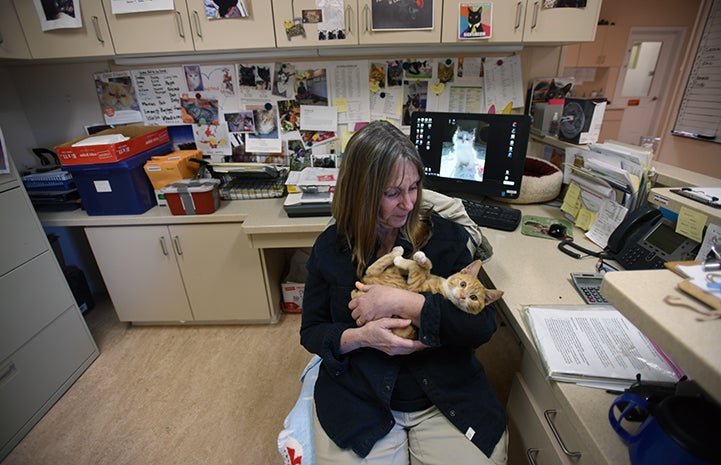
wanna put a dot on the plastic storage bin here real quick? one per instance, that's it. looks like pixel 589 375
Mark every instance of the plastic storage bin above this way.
pixel 193 196
pixel 120 188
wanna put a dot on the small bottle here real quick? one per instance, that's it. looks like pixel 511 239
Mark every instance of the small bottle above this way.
pixel 553 127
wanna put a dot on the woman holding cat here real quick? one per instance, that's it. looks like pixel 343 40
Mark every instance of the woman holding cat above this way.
pixel 381 398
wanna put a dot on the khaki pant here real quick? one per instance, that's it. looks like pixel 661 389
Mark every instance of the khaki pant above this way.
pixel 418 438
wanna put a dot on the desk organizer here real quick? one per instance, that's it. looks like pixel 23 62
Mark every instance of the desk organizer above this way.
pixel 120 188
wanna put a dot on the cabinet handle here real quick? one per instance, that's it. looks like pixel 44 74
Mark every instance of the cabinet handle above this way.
pixel 7 372
pixel 163 245
pixel 519 10
pixel 176 243
pixel 565 450
pixel 196 20
pixel 535 15
pixel 532 454
pixel 2 39
pixel 179 24
pixel 348 17
pixel 365 16
pixel 96 26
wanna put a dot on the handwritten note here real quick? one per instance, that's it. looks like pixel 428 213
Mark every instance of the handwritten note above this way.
pixel 159 94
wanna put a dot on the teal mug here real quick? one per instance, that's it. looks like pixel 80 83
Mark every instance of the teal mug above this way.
pixel 680 430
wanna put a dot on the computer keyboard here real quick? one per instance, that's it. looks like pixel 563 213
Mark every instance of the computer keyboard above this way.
pixel 493 216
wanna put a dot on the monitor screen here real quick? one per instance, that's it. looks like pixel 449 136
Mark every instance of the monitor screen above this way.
pixel 472 153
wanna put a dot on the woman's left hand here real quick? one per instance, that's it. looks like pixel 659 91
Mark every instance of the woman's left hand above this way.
pixel 379 301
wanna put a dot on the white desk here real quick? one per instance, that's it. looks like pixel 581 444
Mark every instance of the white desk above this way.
pixel 529 270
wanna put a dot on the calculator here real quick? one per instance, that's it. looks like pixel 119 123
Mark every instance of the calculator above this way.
pixel 589 286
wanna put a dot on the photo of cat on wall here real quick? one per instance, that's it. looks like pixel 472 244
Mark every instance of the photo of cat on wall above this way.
pixel 117 97
pixel 464 151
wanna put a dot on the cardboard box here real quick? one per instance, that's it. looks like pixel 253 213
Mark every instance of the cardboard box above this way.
pixel 292 297
pixel 167 169
pixel 142 138
pixel 582 119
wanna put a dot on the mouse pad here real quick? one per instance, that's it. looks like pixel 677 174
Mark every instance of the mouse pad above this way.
pixel 541 226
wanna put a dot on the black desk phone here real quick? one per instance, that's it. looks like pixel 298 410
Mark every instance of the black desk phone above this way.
pixel 646 239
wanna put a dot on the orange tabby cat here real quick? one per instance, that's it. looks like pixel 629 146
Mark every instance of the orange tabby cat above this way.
pixel 463 288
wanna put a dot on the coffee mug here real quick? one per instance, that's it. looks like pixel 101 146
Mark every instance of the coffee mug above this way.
pixel 680 430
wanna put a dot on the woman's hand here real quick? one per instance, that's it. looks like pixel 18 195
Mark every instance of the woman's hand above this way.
pixel 378 334
pixel 378 302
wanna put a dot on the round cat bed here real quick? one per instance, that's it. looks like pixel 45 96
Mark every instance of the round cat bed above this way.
pixel 541 182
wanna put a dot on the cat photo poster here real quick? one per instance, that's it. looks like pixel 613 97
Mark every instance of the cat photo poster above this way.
pixel 118 99
pixel 474 20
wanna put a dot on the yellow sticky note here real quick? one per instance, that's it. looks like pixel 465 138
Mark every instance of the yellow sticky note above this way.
pixel 691 223
pixel 341 104
pixel 585 218
pixel 572 200
pixel 345 135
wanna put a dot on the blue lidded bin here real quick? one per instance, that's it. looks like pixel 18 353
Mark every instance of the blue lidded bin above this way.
pixel 120 188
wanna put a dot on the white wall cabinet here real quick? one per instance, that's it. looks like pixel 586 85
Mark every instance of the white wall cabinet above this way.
pixel 12 40
pixel 187 28
pixel 607 50
pixel 558 25
pixel 45 344
pixel 181 273
pixel 91 40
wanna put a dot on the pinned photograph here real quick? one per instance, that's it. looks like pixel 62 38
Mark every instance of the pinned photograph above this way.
pixel 58 14
pixel 400 15
pixel 474 20
pixel 220 9
pixel 199 110
pixel 118 98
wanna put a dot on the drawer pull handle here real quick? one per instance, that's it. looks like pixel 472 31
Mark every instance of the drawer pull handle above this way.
pixel 519 9
pixel 176 242
pixel 7 372
pixel 548 414
pixel 532 454
pixel 163 245
pixel 348 17
pixel 365 17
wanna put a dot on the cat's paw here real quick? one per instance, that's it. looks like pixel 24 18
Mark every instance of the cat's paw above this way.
pixel 420 258
pixel 397 251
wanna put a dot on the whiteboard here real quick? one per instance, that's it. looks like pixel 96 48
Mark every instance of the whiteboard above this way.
pixel 699 116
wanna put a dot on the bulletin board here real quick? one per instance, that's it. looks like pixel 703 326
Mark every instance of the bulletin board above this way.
pixel 700 114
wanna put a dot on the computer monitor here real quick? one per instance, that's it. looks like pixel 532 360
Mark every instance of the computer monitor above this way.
pixel 472 153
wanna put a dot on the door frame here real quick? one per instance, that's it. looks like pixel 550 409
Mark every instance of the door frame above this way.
pixel 667 66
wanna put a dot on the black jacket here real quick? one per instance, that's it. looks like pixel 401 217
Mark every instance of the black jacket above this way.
pixel 353 391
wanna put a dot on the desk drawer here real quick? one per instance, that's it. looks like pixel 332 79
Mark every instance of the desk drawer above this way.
pixel 35 376
pixel 22 236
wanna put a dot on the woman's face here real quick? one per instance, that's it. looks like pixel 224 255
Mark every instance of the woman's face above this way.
pixel 399 196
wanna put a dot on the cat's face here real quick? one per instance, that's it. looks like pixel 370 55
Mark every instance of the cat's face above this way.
pixel 474 16
pixel 467 292
pixel 464 137
pixel 117 95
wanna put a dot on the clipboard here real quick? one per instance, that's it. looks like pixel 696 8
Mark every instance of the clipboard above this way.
pixel 705 195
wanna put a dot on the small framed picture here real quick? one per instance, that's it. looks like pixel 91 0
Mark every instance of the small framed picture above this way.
pixel 474 20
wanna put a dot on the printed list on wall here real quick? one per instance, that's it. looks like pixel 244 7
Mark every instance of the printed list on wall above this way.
pixel 699 116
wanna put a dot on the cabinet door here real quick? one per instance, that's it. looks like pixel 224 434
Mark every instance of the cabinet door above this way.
pixel 92 39
pixel 290 13
pixel 254 31
pixel 506 22
pixel 223 275
pixel 162 31
pixel 22 236
pixel 427 36
pixel 12 40
pixel 560 24
pixel 140 272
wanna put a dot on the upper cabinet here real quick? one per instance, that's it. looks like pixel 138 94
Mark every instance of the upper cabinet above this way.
pixel 188 29
pixel 12 40
pixel 90 40
pixel 558 25
pixel 296 24
pixel 607 50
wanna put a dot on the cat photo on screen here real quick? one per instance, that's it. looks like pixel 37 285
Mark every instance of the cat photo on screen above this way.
pixel 464 151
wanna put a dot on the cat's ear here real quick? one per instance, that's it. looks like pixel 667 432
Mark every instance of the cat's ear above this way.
pixel 473 268
pixel 492 295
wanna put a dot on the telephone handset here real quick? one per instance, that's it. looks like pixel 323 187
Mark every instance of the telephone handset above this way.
pixel 646 239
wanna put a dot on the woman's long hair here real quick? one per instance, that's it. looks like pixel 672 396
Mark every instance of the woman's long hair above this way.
pixel 367 165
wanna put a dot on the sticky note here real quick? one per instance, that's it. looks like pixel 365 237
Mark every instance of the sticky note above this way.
pixel 585 218
pixel 691 223
pixel 572 200
pixel 341 104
